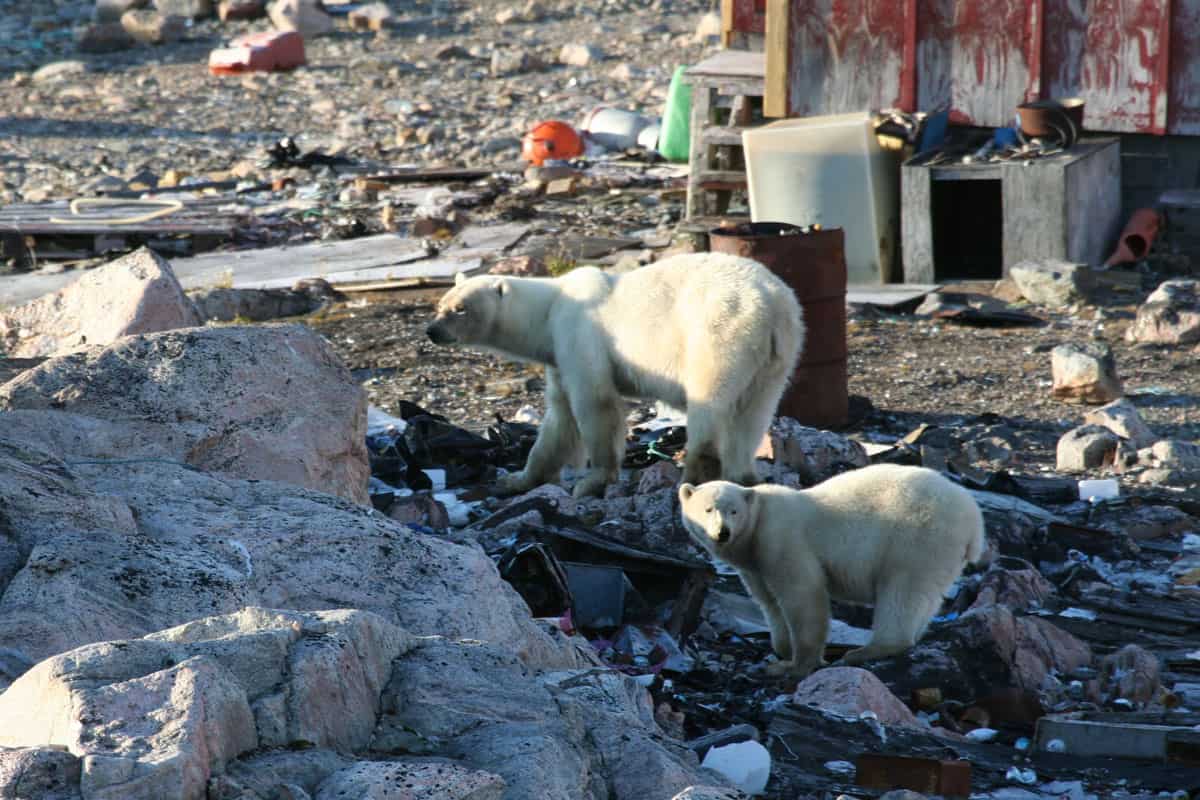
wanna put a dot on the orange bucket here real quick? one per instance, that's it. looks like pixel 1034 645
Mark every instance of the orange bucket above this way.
pixel 551 140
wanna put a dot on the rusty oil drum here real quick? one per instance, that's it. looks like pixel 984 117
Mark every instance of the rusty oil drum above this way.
pixel 813 264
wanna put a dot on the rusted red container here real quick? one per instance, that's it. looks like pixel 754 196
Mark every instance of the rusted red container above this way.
pixel 813 263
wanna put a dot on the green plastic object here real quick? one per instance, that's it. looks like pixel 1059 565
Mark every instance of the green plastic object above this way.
pixel 674 140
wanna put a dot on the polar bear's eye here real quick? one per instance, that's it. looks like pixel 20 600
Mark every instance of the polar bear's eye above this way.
pixel 733 512
pixel 708 511
pixel 459 311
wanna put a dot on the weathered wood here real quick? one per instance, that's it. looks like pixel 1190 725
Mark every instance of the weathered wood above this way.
pixel 201 217
pixel 916 224
pixel 446 175
pixel 775 88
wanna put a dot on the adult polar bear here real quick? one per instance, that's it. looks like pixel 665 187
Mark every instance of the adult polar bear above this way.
pixel 717 335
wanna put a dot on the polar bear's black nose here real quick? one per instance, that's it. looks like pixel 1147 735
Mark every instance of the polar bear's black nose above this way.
pixel 437 334
pixel 723 534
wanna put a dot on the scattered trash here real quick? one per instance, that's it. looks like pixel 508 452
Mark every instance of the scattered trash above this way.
pixel 552 140
pixel 1095 491
pixel 1025 777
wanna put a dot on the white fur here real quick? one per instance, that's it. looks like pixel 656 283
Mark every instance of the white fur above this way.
pixel 712 334
pixel 892 536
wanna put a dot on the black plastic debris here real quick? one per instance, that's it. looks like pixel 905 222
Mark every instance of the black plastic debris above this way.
pixel 645 448
pixel 286 153
pixel 533 570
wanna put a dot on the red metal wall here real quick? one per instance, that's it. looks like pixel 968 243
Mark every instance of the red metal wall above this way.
pixel 1135 62
pixel 749 16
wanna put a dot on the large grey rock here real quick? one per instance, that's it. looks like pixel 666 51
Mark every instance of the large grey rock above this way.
pixel 102 37
pixel 1122 418
pixel 114 550
pixel 40 773
pixel 1170 315
pixel 1085 373
pixel 1086 447
pixel 270 402
pixel 134 294
pixel 405 779
pixel 565 735
pixel 157 717
pixel 1052 282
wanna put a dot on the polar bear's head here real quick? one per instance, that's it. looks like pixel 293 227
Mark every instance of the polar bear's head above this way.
pixel 467 313
pixel 719 515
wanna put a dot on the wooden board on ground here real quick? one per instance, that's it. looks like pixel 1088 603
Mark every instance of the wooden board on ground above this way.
pixel 888 295
pixel 35 219
pixel 375 260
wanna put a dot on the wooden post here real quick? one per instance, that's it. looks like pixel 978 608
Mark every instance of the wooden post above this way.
pixel 777 47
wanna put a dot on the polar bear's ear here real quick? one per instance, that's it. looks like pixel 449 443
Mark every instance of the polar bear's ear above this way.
pixel 460 278
pixel 686 491
pixel 503 287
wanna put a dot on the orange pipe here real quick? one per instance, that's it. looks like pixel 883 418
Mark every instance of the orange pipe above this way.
pixel 1134 243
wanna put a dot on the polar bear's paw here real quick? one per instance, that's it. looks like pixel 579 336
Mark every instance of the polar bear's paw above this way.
pixel 514 483
pixel 591 485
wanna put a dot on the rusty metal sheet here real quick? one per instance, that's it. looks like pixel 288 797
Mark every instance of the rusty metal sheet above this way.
pixel 1114 54
pixel 831 41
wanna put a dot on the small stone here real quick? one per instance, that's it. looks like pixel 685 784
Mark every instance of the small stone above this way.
pixel 1085 373
pixel 59 70
pixel 1170 315
pixel 452 52
pixel 1086 447
pixel 151 27
pixel 191 9
pixel 1053 283
pixel 419 509
pixel 241 9
pixel 113 10
pixel 574 54
pixel 533 11
pixel 850 691
pixel 305 16
pixel 104 37
pixel 508 15
pixel 513 61
pixel 1122 418
pixel 624 72
pixel 562 187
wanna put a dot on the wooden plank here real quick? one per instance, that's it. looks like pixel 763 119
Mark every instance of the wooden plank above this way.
pixel 916 224
pixel 34 219
pixel 1093 211
pixel 731 64
pixel 775 88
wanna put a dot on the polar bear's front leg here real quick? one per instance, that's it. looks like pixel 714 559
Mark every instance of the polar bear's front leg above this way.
pixel 602 431
pixel 781 637
pixel 556 443
pixel 805 606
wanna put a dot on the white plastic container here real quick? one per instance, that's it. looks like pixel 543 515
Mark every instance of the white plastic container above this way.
pixel 829 171
pixel 614 128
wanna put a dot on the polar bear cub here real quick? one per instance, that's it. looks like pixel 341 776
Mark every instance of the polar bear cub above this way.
pixel 711 334
pixel 893 536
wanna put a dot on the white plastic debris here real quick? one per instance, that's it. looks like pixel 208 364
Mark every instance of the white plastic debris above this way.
pixel 747 765
pixel 437 477
pixel 1026 777
pixel 1096 490
pixel 1056 746
pixel 1078 613
pixel 457 511
pixel 840 767
pixel 1023 744
pixel 983 734
pixel 528 414
pixel 379 421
